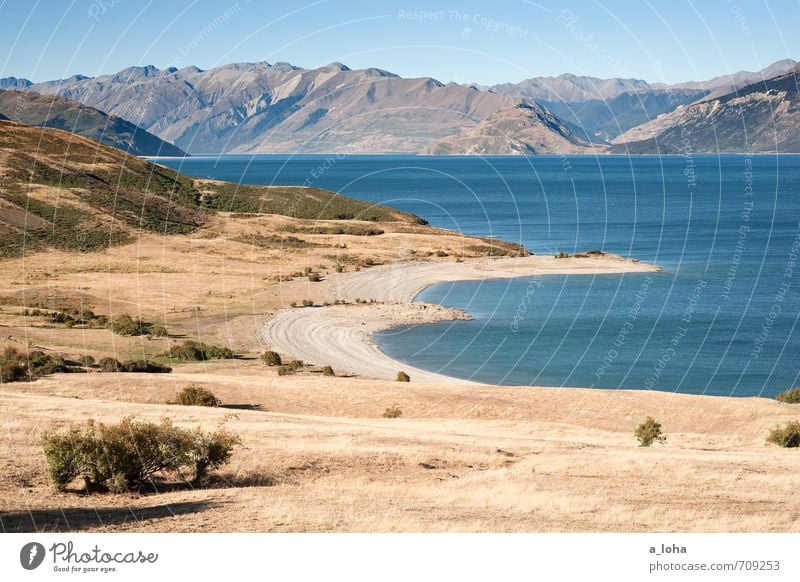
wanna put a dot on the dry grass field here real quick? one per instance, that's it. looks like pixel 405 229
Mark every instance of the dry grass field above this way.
pixel 317 454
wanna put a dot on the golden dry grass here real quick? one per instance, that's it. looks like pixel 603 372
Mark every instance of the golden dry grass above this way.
pixel 317 454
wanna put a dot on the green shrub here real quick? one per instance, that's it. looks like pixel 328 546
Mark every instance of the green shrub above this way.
pixel 270 358
pixel 16 366
pixel 649 432
pixel 314 277
pixel 125 325
pixel 109 364
pixel 194 351
pixel 786 436
pixel 128 455
pixel 296 364
pixel 392 411
pixel 86 361
pixel 144 366
pixel 328 371
pixel 195 396
pixel 562 255
pixel 403 377
pixel 790 396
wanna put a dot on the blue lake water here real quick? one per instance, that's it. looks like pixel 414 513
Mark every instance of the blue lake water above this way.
pixel 721 319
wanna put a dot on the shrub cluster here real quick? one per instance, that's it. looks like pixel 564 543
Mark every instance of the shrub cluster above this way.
pixel 403 377
pixel 786 436
pixel 113 365
pixel 649 432
pixel 195 396
pixel 126 456
pixel 194 351
pixel 790 396
pixel 126 325
pixel 16 366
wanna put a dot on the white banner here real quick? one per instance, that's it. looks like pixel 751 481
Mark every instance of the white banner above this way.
pixel 417 557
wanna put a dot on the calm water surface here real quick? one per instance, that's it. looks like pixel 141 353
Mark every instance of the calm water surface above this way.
pixel 721 318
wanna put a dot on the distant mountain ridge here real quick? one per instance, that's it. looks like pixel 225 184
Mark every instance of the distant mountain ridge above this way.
pixel 258 107
pixel 269 108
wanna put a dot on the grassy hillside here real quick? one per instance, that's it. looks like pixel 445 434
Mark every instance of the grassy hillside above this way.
pixel 59 190
pixel 57 112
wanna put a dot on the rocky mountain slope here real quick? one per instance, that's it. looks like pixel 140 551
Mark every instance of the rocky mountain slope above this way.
pixel 761 117
pixel 525 129
pixel 602 109
pixel 52 111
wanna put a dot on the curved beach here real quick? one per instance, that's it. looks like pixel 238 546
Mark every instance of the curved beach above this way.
pixel 341 335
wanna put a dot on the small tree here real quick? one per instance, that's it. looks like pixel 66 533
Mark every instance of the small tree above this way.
pixel 649 432
pixel 403 377
pixel 787 436
pixel 790 396
pixel 270 358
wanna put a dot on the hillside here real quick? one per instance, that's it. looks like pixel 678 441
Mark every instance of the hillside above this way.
pixel 762 117
pixel 52 111
pixel 523 130
pixel 63 191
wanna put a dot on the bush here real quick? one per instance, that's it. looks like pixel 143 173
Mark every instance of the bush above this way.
pixel 18 367
pixel 195 396
pixel 314 277
pixel 128 455
pixel 270 358
pixel 285 370
pixel 194 351
pixel 786 436
pixel 125 325
pixel 790 396
pixel 649 432
pixel 392 411
pixel 328 371
pixel 109 364
pixel 86 361
pixel 296 364
pixel 158 331
pixel 144 366
pixel 403 377
pixel 562 255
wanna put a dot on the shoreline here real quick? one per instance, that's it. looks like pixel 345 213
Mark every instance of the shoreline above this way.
pixel 341 335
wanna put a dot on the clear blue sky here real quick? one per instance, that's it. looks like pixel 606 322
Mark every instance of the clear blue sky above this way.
pixel 484 42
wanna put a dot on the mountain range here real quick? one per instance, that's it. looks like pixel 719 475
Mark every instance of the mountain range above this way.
pixel 267 108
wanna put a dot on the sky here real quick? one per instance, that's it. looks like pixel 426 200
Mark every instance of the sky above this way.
pixel 481 42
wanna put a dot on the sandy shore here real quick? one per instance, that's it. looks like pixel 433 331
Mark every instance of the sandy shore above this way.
pixel 341 335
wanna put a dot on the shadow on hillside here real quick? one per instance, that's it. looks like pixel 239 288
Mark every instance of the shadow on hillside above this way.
pixel 256 407
pixel 79 518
